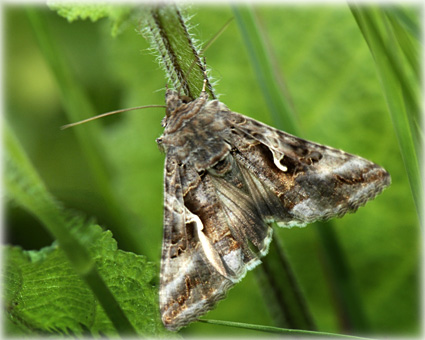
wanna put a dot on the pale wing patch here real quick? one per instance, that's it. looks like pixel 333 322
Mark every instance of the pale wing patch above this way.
pixel 277 158
pixel 208 248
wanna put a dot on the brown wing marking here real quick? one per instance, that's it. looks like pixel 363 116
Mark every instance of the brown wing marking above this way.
pixel 313 181
pixel 189 284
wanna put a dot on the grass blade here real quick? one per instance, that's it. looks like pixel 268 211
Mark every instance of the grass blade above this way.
pixel 400 90
pixel 279 109
pixel 281 291
pixel 78 107
pixel 277 330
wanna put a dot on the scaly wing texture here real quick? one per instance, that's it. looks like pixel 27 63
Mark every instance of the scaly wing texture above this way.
pixel 218 207
pixel 212 235
pixel 312 181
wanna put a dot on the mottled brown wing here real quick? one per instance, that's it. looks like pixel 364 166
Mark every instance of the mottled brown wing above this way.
pixel 312 181
pixel 212 235
pixel 226 178
pixel 189 283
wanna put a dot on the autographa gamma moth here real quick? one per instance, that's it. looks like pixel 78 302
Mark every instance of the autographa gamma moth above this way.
pixel 226 178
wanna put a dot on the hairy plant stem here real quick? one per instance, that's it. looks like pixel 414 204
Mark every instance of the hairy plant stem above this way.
pixel 177 52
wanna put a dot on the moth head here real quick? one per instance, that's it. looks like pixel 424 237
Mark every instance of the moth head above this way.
pixel 173 100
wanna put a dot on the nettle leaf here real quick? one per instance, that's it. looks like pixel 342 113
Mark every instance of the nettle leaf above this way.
pixel 118 15
pixel 43 293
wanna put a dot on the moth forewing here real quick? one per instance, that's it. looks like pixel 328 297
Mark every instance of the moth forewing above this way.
pixel 227 177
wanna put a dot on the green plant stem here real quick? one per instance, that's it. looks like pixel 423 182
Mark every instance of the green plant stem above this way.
pixel 282 292
pixel 169 36
pixel 277 330
pixel 346 297
pixel 78 107
pixel 26 188
pixel 280 111
pixel 347 302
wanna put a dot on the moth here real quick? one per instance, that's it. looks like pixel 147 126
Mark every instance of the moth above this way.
pixel 227 177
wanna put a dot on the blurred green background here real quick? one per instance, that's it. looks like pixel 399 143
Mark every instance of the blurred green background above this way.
pixel 329 75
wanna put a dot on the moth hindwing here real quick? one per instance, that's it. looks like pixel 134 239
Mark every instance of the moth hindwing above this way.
pixel 226 178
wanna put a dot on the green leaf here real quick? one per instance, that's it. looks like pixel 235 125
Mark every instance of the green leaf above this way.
pixel 118 15
pixel 117 280
pixel 45 295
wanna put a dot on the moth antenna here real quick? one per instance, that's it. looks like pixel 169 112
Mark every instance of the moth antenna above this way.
pixel 109 114
pixel 207 45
